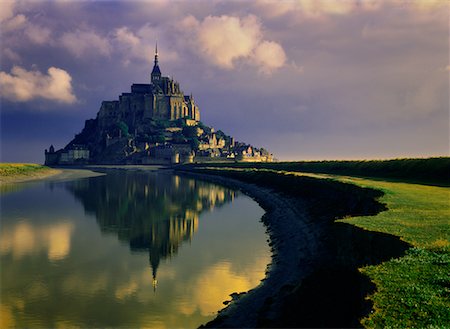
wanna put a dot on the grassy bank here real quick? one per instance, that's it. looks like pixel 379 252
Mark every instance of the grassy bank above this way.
pixel 434 171
pixel 17 172
pixel 412 291
pixel 419 214
pixel 13 169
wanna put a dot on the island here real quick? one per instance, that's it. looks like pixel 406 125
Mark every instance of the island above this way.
pixel 155 123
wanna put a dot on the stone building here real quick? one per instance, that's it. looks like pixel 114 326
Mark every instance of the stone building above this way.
pixel 76 154
pixel 162 99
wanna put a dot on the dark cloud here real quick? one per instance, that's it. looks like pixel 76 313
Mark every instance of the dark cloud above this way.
pixel 307 79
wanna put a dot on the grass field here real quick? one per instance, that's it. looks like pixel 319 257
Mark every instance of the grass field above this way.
pixel 18 172
pixel 419 214
pixel 434 171
pixel 412 291
pixel 11 169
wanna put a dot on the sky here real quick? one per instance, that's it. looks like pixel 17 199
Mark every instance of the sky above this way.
pixel 306 79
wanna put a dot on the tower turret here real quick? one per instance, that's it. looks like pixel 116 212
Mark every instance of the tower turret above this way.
pixel 156 72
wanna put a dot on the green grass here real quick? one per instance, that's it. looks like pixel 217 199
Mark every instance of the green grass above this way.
pixel 418 214
pixel 11 173
pixel 413 291
pixel 14 169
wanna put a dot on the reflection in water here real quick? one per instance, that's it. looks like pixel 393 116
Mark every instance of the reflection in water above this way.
pixel 86 253
pixel 23 239
pixel 206 291
pixel 152 212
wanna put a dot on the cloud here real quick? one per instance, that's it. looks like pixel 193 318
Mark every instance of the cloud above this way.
pixel 131 43
pixel 14 23
pixel 11 54
pixel 269 56
pixel 225 40
pixel 37 34
pixel 140 45
pixel 313 8
pixel 318 9
pixel 6 10
pixel 22 85
pixel 270 9
pixel 126 37
pixel 135 45
pixel 85 42
pixel 17 28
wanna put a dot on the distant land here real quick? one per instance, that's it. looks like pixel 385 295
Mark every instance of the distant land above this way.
pixel 155 123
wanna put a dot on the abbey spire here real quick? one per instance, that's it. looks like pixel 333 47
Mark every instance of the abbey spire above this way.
pixel 156 72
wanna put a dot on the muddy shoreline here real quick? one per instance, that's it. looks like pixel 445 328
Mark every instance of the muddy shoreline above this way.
pixel 313 279
pixel 285 268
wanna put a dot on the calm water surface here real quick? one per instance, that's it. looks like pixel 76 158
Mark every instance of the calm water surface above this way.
pixel 126 250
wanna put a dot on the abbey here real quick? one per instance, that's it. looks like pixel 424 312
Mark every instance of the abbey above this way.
pixel 162 99
pixel 155 123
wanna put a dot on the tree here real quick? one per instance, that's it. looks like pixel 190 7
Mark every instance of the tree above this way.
pixel 160 138
pixel 163 123
pixel 221 134
pixel 194 143
pixel 190 131
pixel 123 128
pixel 180 122
pixel 178 137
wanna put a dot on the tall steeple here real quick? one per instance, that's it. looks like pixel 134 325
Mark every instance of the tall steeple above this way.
pixel 156 72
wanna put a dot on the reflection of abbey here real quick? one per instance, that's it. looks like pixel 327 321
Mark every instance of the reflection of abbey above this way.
pixel 155 123
pixel 166 216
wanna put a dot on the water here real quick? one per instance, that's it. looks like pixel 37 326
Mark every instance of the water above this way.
pixel 126 250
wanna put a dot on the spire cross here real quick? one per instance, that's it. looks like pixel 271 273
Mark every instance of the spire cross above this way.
pixel 156 72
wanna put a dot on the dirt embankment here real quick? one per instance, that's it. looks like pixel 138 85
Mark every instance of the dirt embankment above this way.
pixel 313 280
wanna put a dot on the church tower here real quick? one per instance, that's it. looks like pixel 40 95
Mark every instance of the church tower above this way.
pixel 156 72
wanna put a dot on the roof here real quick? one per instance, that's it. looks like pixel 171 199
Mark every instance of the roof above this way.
pixel 156 70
